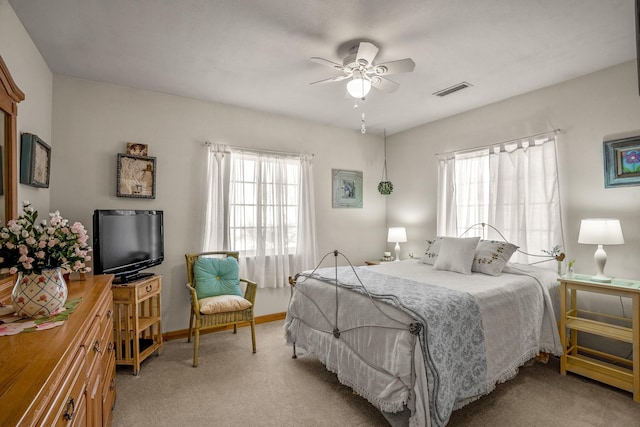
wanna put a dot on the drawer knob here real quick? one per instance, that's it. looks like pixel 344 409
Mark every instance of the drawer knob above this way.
pixel 96 346
pixel 69 410
pixel 110 347
pixel 112 384
pixel 109 314
pixel 149 288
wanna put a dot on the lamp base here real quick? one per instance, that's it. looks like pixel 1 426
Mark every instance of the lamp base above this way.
pixel 600 278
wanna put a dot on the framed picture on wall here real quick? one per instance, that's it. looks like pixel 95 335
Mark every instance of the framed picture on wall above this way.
pixel 622 162
pixel 35 161
pixel 136 177
pixel 347 188
pixel 136 149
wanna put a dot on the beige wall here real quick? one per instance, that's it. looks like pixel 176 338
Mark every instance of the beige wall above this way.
pixel 588 109
pixel 93 121
pixel 33 77
pixel 87 123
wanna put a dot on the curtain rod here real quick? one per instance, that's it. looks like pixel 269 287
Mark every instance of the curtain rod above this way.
pixel 259 151
pixel 554 131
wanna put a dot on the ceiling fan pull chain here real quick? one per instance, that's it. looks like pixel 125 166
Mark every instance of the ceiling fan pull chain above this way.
pixel 363 128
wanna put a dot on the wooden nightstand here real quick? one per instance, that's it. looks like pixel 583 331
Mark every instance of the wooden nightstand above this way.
pixel 136 321
pixel 598 365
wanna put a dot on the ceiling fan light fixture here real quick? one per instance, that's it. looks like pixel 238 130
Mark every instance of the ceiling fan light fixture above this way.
pixel 359 87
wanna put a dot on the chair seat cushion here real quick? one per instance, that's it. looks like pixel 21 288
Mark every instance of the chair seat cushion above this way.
pixel 223 304
pixel 216 276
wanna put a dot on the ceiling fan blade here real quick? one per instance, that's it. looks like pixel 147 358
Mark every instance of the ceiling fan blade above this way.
pixel 331 80
pixel 383 84
pixel 366 51
pixel 327 63
pixel 395 67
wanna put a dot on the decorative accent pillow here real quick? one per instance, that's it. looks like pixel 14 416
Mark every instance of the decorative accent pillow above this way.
pixel 456 254
pixel 216 276
pixel 222 304
pixel 433 248
pixel 491 256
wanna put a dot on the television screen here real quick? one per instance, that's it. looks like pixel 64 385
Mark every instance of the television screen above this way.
pixel 127 241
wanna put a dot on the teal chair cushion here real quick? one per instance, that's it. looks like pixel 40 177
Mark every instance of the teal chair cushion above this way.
pixel 216 276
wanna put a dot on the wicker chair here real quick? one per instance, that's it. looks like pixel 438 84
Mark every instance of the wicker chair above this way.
pixel 210 322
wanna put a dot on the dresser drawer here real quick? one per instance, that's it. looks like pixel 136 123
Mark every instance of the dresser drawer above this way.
pixel 148 289
pixel 92 345
pixel 109 392
pixel 68 405
pixel 106 315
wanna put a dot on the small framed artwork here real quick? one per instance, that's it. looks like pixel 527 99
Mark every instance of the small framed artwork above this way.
pixel 622 162
pixel 136 177
pixel 135 149
pixel 35 161
pixel 347 188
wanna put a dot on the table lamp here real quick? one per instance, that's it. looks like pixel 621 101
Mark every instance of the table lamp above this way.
pixel 397 234
pixel 600 231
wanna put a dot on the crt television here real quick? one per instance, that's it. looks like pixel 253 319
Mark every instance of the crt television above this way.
pixel 125 242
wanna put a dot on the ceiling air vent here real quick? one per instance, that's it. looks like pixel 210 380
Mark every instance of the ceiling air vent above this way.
pixel 452 89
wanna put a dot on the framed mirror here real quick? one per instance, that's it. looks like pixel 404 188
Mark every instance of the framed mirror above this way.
pixel 10 96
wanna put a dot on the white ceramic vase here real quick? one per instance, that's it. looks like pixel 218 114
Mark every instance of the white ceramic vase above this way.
pixel 39 295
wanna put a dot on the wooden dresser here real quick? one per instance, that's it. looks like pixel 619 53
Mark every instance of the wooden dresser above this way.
pixel 65 375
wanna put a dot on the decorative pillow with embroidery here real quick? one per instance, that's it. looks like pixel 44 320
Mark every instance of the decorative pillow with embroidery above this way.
pixel 491 256
pixel 456 254
pixel 216 276
pixel 433 248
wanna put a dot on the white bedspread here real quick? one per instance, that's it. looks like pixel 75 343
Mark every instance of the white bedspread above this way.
pixel 382 361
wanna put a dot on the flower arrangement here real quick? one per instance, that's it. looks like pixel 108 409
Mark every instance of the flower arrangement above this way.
pixel 30 247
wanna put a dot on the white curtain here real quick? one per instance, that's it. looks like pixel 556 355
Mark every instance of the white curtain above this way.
pixel 307 252
pixel 512 186
pixel 261 204
pixel 213 236
pixel 446 217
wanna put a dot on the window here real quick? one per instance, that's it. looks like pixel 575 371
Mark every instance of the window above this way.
pixel 512 186
pixel 261 205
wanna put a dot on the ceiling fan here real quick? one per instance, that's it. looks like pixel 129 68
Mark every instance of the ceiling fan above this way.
pixel 363 73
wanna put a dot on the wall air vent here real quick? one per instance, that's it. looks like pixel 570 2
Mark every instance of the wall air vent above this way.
pixel 452 89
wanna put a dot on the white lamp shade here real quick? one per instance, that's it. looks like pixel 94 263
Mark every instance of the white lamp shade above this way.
pixel 397 234
pixel 358 87
pixel 600 231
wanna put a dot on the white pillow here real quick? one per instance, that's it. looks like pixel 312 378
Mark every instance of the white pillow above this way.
pixel 222 304
pixel 433 248
pixel 456 254
pixel 491 256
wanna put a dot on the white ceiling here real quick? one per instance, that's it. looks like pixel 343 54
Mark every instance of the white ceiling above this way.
pixel 255 53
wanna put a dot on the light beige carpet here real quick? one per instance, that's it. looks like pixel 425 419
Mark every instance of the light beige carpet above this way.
pixel 234 387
